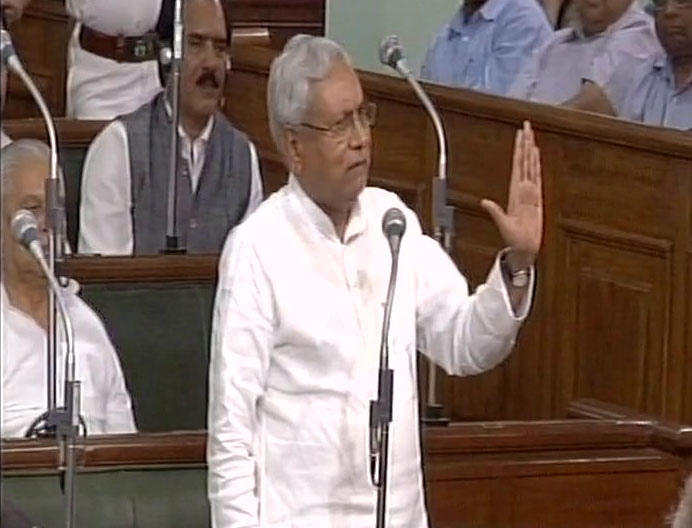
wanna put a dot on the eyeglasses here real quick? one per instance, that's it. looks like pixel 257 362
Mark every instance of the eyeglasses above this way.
pixel 660 5
pixel 342 129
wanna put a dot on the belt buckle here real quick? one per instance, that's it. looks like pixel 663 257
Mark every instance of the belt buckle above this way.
pixel 141 49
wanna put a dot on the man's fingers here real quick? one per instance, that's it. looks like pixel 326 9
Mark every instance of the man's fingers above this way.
pixel 495 211
pixel 535 173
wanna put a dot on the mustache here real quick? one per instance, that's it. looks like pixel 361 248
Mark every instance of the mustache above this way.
pixel 208 77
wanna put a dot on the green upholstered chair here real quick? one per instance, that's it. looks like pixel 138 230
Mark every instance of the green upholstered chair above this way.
pixel 161 332
pixel 72 161
pixel 120 497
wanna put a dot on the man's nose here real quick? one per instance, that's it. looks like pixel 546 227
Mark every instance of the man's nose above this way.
pixel 360 133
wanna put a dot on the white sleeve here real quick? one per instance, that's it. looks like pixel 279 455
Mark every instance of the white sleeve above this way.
pixel 242 337
pixel 464 334
pixel 119 415
pixel 105 221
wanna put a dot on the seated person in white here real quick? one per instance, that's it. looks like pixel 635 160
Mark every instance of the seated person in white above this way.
pixel 105 402
pixel 126 171
pixel 111 57
pixel 613 33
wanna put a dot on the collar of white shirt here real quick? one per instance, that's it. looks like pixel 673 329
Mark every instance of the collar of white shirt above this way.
pixel 206 131
pixel 357 222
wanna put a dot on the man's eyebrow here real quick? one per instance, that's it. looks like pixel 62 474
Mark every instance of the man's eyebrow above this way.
pixel 203 36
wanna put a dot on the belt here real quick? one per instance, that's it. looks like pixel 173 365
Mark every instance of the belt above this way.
pixel 120 48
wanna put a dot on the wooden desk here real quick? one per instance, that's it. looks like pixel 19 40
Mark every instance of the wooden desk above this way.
pixel 573 473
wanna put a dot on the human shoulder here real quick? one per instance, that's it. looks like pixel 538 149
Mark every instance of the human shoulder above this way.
pixel 524 8
pixel 376 201
pixel 262 226
pixel 224 123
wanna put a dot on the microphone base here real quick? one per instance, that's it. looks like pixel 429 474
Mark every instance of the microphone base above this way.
pixel 173 246
pixel 434 416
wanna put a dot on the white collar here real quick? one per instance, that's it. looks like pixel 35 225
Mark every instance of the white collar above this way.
pixel 206 131
pixel 356 221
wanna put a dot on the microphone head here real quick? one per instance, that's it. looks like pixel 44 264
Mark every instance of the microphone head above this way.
pixel 24 227
pixel 393 223
pixel 6 47
pixel 391 51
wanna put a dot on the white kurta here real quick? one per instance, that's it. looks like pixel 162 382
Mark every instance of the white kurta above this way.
pixel 100 88
pixel 294 359
pixel 105 403
pixel 105 225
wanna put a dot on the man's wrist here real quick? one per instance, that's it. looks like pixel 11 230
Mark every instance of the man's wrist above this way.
pixel 517 271
pixel 517 261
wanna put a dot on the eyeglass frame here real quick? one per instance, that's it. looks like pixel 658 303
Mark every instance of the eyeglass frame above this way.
pixel 366 116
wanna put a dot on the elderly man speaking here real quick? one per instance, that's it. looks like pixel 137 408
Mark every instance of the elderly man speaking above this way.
pixel 299 312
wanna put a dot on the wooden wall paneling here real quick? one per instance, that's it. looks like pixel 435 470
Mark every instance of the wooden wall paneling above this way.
pixel 610 496
pixel 283 18
pixel 613 318
pixel 41 40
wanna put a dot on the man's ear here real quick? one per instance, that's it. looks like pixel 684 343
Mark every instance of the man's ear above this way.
pixel 293 149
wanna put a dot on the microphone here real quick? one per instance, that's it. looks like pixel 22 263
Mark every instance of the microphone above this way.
pixel 8 54
pixel 394 227
pixel 24 227
pixel 392 55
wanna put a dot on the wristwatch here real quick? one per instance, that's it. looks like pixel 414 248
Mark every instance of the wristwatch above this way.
pixel 519 278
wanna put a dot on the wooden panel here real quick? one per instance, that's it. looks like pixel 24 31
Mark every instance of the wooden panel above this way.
pixel 575 473
pixel 616 293
pixel 41 40
pixel 155 268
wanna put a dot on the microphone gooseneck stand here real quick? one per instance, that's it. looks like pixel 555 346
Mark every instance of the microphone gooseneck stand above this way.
pixel 62 422
pixel 381 409
pixel 392 55
pixel 172 235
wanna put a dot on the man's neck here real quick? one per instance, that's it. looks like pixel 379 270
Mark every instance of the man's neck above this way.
pixel 340 220
pixel 471 6
pixel 193 126
pixel 682 70
pixel 29 296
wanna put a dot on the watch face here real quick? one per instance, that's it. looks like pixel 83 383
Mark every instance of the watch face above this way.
pixel 520 280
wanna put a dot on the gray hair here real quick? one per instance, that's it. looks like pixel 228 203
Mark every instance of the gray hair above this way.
pixel 304 60
pixel 17 152
pixel 683 516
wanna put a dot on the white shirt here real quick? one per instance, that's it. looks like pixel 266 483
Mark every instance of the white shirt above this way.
pixel 105 402
pixel 4 139
pixel 105 210
pixel 99 88
pixel 294 358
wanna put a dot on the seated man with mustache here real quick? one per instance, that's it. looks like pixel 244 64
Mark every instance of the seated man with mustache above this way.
pixel 126 171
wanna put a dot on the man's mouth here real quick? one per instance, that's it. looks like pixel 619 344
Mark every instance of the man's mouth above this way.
pixel 357 164
pixel 208 81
